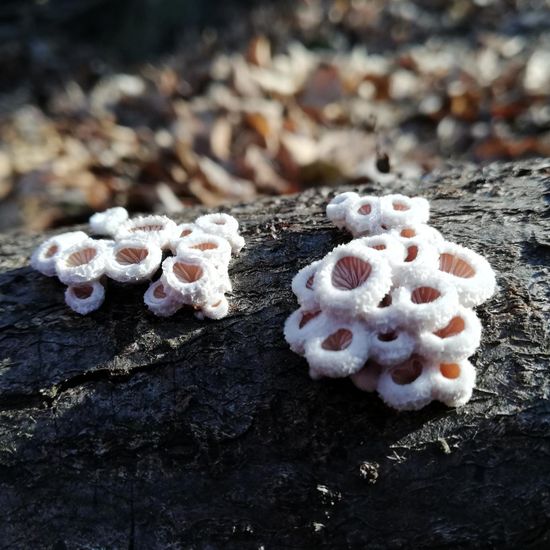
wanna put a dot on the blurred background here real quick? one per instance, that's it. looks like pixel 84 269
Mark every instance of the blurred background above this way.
pixel 159 104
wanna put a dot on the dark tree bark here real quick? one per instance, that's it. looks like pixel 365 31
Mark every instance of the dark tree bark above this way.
pixel 122 430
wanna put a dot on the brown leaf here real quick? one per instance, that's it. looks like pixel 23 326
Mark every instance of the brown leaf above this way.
pixel 6 183
pixel 221 182
pixel 220 138
pixel 496 147
pixel 243 80
pixel 322 88
pixel 302 149
pixel 98 193
pixel 263 172
pixel 259 51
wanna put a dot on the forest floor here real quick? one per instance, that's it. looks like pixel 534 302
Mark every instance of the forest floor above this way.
pixel 278 100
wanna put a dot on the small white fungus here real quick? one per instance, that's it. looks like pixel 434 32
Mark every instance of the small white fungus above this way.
pixel 392 309
pixel 108 222
pixel 197 275
pixel 44 257
pixel 85 298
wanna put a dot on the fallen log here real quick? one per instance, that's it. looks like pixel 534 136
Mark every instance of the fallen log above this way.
pixel 123 430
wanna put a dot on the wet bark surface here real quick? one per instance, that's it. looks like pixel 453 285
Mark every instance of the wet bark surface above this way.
pixel 122 430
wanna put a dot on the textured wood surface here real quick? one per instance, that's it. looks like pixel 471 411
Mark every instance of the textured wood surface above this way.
pixel 121 430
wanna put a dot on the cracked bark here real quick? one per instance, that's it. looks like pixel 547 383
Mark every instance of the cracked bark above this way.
pixel 123 430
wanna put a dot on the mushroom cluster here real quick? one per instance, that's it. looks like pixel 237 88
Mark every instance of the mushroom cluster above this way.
pixel 392 309
pixel 194 258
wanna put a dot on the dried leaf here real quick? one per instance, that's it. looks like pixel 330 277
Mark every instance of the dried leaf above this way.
pixel 302 149
pixel 323 88
pixel 259 51
pixel 220 138
pixel 223 183
pixel 263 172
pixel 5 175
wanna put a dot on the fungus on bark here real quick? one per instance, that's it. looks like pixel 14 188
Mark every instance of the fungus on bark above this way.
pixel 196 275
pixel 392 308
